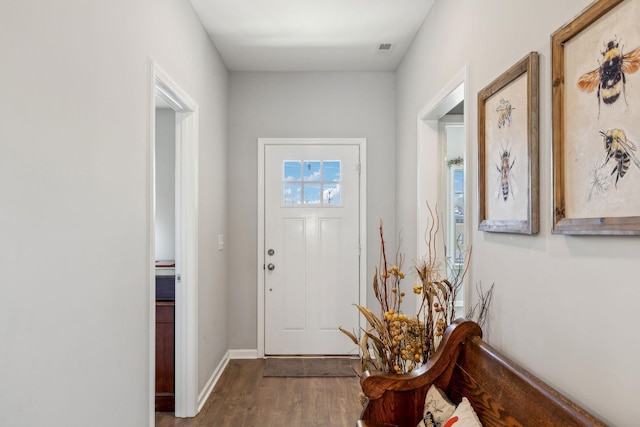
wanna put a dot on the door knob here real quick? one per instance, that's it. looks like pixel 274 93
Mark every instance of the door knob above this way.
pixel 271 266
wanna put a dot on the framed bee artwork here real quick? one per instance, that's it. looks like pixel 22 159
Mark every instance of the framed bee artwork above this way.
pixel 508 150
pixel 596 127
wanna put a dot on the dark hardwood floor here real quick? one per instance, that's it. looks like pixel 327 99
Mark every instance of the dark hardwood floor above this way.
pixel 244 398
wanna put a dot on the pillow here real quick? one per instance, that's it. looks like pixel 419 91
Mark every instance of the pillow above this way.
pixel 437 408
pixel 464 416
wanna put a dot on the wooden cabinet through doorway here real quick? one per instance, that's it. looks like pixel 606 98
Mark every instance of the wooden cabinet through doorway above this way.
pixel 165 356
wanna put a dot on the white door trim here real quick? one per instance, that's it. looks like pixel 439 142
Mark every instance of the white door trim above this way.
pixel 262 142
pixel 186 312
pixel 429 155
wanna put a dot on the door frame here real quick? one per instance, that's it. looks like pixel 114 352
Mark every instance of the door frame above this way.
pixel 430 156
pixel 262 144
pixel 186 302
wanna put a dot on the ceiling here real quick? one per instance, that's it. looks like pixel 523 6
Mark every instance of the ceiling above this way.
pixel 306 35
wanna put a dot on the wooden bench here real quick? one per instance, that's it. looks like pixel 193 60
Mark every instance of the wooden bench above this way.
pixel 501 392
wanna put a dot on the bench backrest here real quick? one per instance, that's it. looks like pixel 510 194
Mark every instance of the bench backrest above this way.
pixel 501 392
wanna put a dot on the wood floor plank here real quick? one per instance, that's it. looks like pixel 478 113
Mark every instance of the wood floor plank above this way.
pixel 244 398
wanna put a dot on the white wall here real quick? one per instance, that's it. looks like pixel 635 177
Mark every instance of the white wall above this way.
pixel 290 105
pixel 565 307
pixel 75 211
pixel 165 184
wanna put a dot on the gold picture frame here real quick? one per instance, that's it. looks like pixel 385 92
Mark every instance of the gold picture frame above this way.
pixel 596 101
pixel 508 115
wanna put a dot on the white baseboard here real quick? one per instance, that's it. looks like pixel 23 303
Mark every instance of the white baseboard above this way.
pixel 215 376
pixel 243 354
pixel 208 388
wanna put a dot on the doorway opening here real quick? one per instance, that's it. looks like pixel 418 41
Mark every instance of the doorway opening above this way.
pixel 451 194
pixel 165 255
pixel 173 243
pixel 442 171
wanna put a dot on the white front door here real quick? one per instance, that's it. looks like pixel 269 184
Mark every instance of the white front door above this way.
pixel 312 248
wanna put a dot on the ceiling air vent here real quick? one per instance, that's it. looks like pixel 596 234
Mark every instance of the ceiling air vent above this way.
pixel 384 48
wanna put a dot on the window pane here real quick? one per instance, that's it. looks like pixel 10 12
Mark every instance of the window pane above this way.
pixel 292 171
pixel 292 194
pixel 331 194
pixel 331 171
pixel 312 182
pixel 312 171
pixel 312 194
pixel 458 182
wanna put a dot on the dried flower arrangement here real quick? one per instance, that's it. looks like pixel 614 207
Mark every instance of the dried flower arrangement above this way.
pixel 395 342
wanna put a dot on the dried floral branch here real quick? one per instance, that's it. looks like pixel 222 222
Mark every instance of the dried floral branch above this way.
pixel 482 306
pixel 395 342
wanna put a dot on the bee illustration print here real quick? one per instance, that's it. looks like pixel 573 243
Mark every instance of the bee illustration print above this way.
pixel 610 77
pixel 506 182
pixel 504 110
pixel 619 148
